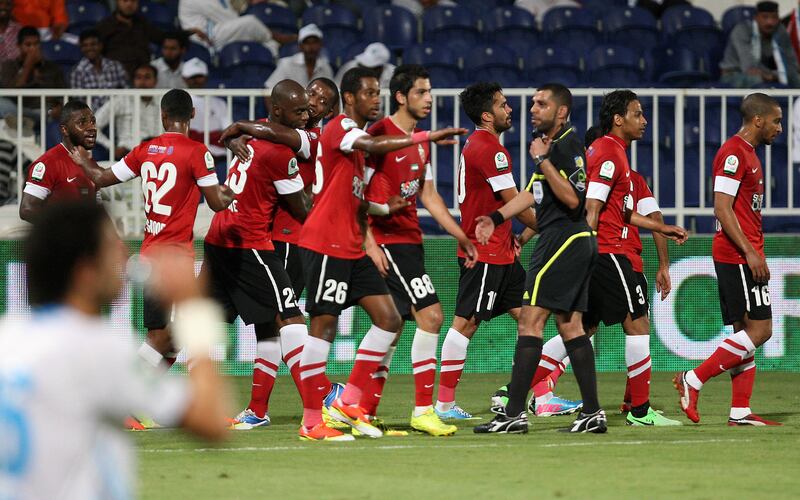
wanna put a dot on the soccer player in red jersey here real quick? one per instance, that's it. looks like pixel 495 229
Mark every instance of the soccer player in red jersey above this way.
pixel 613 294
pixel 395 242
pixel 174 170
pixel 338 273
pixel 54 176
pixel 496 284
pixel 742 270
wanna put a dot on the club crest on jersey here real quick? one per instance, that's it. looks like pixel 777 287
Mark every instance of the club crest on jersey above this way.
pixel 607 170
pixel 501 161
pixel 578 179
pixel 348 124
pixel 293 168
pixel 209 161
pixel 38 172
pixel 731 164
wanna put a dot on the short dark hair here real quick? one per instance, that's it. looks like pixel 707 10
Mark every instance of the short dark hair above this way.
pixel 88 33
pixel 177 105
pixel 477 99
pixel 755 104
pixel 403 80
pixel 591 135
pixel 614 103
pixel 148 66
pixel 72 106
pixel 351 81
pixel 179 36
pixel 25 32
pixel 63 235
pixel 331 86
pixel 561 94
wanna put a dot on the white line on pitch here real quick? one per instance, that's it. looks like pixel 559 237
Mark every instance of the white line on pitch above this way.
pixel 337 446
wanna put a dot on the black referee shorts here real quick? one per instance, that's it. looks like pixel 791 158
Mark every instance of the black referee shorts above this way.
pixel 408 280
pixel 739 294
pixel 614 292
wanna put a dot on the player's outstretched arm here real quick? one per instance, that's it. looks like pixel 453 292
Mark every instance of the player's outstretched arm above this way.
pixel 218 197
pixel 101 177
pixel 527 216
pixel 235 137
pixel 432 200
pixel 675 233
pixel 487 223
pixel 382 144
pixel 663 280
pixel 723 211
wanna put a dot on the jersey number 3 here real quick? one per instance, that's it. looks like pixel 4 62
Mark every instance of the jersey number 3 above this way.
pixel 157 182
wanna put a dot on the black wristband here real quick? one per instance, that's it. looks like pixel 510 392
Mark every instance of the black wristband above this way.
pixel 497 218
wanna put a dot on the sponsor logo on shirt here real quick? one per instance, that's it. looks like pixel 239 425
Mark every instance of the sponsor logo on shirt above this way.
pixel 409 188
pixel 170 150
pixel 731 164
pixel 38 172
pixel 501 161
pixel 607 170
pixel 358 187
pixel 152 149
pixel 154 227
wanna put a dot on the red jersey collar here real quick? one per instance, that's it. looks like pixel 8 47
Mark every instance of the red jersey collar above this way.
pixel 618 140
pixel 749 146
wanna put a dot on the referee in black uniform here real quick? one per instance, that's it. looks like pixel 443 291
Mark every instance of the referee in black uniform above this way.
pixel 561 264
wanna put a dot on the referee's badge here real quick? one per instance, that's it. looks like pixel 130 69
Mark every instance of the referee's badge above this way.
pixel 578 179
pixel 578 161
pixel 538 191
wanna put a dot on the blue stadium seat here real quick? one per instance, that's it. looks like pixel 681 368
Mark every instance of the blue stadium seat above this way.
pixel 482 57
pixel 84 15
pixel 553 63
pixel 679 67
pixel 690 27
pixel 454 26
pixel 631 25
pixel 64 54
pixel 241 55
pixel 325 16
pixel 395 26
pixel 288 50
pixel 444 77
pixel 431 56
pixel 274 17
pixel 735 15
pixel 613 66
pixel 478 7
pixel 511 25
pixel 572 27
pixel 506 76
pixel 198 51
pixel 159 15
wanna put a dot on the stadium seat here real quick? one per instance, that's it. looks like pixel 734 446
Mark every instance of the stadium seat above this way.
pixel 288 50
pixel 396 27
pixel 454 26
pixel 735 15
pixel 478 7
pixel 679 67
pixel 274 17
pixel 198 51
pixel 507 24
pixel 64 54
pixel 84 15
pixel 326 16
pixel 571 27
pixel 158 14
pixel 243 57
pixel 443 77
pixel 613 66
pixel 690 27
pixel 553 63
pixel 431 56
pixel 482 57
pixel 630 26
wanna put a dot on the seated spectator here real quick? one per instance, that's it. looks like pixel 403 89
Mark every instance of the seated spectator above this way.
pixel 418 7
pixel 149 124
pixel 8 32
pixel 375 57
pixel 29 71
pixel 195 74
pixel 49 16
pixel 215 24
pixel 94 71
pixel 792 24
pixel 760 52
pixel 540 7
pixel 169 65
pixel 127 35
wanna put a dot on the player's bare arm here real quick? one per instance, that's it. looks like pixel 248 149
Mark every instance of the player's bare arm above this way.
pixel 593 209
pixel 560 185
pixel 517 205
pixel 675 233
pixel 217 197
pixel 298 203
pixel 527 215
pixel 663 281
pixel 375 253
pixel 432 200
pixel 29 207
pixel 235 137
pixel 723 211
pixel 101 177
pixel 382 144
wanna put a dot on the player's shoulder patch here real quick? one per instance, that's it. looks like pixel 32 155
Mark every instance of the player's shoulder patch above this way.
pixel 731 164
pixel 607 170
pixel 292 168
pixel 209 161
pixel 349 123
pixel 501 161
pixel 37 173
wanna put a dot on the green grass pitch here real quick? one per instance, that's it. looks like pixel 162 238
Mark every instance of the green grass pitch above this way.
pixel 709 460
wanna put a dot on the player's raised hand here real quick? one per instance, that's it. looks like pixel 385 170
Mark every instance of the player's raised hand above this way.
pixel 442 136
pixel 471 252
pixel 483 229
pixel 758 266
pixel 238 147
pixel 676 233
pixel 663 282
pixel 80 155
pixel 396 203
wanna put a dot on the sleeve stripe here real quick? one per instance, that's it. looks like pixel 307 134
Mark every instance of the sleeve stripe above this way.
pixel 305 145
pixel 122 171
pixel 350 138
pixel 647 206
pixel 428 172
pixel 36 190
pixel 368 173
pixel 501 182
pixel 726 185
pixel 208 180
pixel 289 186
pixel 598 191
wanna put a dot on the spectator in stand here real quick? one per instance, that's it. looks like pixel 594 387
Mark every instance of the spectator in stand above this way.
pixel 127 35
pixel 149 124
pixel 375 57
pixel 29 71
pixel 169 65
pixel 49 16
pixel 418 7
pixel 94 71
pixel 540 7
pixel 759 52
pixel 8 32
pixel 195 73
pixel 215 24
pixel 792 24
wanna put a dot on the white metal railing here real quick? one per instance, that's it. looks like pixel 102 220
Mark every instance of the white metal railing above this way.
pixel 126 202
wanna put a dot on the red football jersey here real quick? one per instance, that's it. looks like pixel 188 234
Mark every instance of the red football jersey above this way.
pixel 484 171
pixel 645 204
pixel 332 226
pixel 738 172
pixel 285 227
pixel 247 223
pixel 610 182
pixel 171 166
pixel 55 176
pixel 399 173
